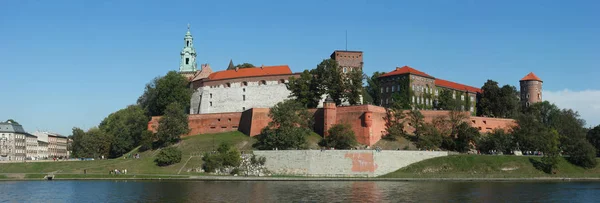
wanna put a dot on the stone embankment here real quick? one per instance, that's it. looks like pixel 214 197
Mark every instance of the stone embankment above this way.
pixel 341 163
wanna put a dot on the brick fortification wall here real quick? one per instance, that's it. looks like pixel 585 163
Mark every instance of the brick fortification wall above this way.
pixel 345 163
pixel 367 121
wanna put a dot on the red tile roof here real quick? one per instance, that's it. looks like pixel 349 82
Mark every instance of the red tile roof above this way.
pixel 251 72
pixel 531 76
pixel 405 70
pixel 456 86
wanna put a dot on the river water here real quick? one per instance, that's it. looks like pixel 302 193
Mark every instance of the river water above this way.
pixel 300 191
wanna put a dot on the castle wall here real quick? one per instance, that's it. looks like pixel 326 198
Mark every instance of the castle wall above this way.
pixel 367 121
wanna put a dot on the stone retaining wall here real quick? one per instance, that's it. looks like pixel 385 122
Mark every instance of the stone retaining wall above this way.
pixel 341 163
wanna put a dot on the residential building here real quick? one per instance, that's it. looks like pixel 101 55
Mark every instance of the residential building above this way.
pixel 31 143
pixel 42 149
pixel 12 141
pixel 57 144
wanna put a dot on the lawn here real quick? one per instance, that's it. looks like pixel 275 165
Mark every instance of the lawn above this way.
pixel 486 166
pixel 191 147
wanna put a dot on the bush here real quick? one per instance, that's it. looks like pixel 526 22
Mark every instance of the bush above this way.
pixel 340 136
pixel 235 171
pixel 260 160
pixel 582 154
pixel 168 156
pixel 225 156
pixel 282 138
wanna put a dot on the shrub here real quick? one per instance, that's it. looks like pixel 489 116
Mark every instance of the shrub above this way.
pixel 582 154
pixel 212 162
pixel 282 138
pixel 168 156
pixel 225 156
pixel 235 171
pixel 340 136
pixel 260 160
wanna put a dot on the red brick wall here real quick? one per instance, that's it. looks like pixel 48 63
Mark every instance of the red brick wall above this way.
pixel 252 121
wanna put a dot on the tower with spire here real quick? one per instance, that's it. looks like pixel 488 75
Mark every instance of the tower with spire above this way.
pixel 531 89
pixel 188 54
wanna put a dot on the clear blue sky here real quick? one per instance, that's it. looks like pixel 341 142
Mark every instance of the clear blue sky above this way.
pixel 71 63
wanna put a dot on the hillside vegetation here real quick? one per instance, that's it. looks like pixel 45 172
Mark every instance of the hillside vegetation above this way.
pixel 488 166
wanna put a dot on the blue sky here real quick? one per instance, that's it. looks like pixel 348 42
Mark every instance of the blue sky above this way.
pixel 71 63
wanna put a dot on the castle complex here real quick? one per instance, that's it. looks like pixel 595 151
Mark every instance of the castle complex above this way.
pixel 239 99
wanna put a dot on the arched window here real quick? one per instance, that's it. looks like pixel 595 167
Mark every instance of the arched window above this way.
pixel 227 84
pixel 262 82
pixel 244 83
pixel 282 81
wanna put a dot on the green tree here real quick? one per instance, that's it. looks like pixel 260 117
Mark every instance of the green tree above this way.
pixel 447 102
pixel 172 125
pixel 354 84
pixel 162 91
pixel 551 152
pixel 340 136
pixel 329 74
pixel 125 127
pixel 79 143
pixel 498 140
pixel 373 87
pixel 244 65
pixel 226 155
pixel 498 102
pixel 581 153
pixel 168 156
pixel 290 124
pixel 489 98
pixel 430 138
pixel 12 121
pixel 306 89
pixel 467 136
pixel 147 141
pixel 98 143
pixel 416 120
pixel 593 137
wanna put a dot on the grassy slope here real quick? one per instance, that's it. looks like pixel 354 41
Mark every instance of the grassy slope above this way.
pixel 193 145
pixel 400 143
pixel 481 166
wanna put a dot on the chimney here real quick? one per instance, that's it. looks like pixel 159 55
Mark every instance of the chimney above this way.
pixel 262 66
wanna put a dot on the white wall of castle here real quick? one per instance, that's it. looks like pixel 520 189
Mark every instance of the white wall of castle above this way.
pixel 237 98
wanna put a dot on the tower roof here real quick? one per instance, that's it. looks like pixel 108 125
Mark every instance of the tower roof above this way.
pixel 188 33
pixel 405 70
pixel 531 76
pixel 251 72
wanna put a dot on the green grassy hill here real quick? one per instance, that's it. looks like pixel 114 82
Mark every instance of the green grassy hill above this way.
pixel 484 166
pixel 192 147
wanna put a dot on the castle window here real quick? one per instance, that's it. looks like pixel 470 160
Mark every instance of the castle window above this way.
pixel 382 90
pixel 262 82
pixel 471 108
pixel 244 89
pixel 210 103
pixel 229 120
pixel 244 97
pixel 187 61
pixel 345 70
pixel 244 83
pixel 527 96
pixel 472 98
pixel 243 108
pixel 414 99
pixel 227 84
pixel 188 43
pixel 282 81
pixel 462 97
pixel 527 104
pixel 218 119
pixel 387 89
pixel 393 88
pixel 211 95
pixel 539 96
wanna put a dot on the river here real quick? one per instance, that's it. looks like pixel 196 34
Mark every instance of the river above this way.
pixel 300 191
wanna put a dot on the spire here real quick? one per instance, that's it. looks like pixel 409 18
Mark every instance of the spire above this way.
pixel 188 54
pixel 188 31
pixel 230 66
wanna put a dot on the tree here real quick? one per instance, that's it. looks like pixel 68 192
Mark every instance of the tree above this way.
pixel 447 102
pixel 97 143
pixel 373 87
pixel 551 152
pixel 226 155
pixel 79 143
pixel 172 125
pixel 582 153
pixel 498 140
pixel 467 136
pixel 147 141
pixel 125 127
pixel 306 89
pixel 430 138
pixel 340 136
pixel 162 91
pixel 12 121
pixel 291 123
pixel 168 156
pixel 593 136
pixel 416 120
pixel 354 84
pixel 329 74
pixel 498 102
pixel 244 65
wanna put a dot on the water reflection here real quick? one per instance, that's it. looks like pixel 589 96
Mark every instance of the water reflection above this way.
pixel 296 191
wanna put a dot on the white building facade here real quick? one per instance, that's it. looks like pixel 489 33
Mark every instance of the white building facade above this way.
pixel 12 142
pixel 241 89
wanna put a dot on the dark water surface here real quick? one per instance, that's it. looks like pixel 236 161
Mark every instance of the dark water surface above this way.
pixel 279 191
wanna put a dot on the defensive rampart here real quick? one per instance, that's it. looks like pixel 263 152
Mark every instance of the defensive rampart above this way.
pixel 341 163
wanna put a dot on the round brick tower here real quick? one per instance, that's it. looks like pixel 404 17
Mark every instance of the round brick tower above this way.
pixel 531 89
